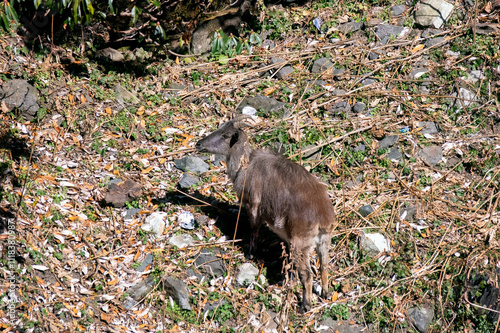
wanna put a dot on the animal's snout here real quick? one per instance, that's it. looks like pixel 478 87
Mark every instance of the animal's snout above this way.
pixel 198 146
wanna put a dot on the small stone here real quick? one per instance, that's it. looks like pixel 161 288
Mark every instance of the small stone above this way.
pixel 19 94
pixel 394 155
pixel 322 65
pixel 123 96
pixel 367 82
pixel 418 72
pixel 188 180
pixel 341 107
pixel 348 27
pixel 110 54
pixel 181 241
pixel 360 147
pixel 192 164
pixel 398 10
pixel 359 107
pixel 373 55
pixel 186 220
pixel 374 244
pixel 311 153
pixel 434 41
pixel 209 264
pixel 130 213
pixel 138 291
pixel 432 13
pixel 148 261
pixel 365 210
pixel 284 71
pixel 155 223
pixel 421 318
pixel 408 213
pixel 247 274
pixel 265 104
pixel 428 127
pixel 431 155
pixel 178 291
pixel 388 30
pixel 388 141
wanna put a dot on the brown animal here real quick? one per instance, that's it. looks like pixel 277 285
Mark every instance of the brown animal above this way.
pixel 281 193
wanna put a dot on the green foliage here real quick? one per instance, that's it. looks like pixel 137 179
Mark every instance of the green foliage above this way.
pixel 336 312
pixel 225 47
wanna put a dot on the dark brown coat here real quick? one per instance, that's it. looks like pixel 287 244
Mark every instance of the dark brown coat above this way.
pixel 282 194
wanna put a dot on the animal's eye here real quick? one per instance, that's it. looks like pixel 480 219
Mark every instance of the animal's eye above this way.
pixel 226 136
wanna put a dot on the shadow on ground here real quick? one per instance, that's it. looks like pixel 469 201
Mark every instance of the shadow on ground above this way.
pixel 269 246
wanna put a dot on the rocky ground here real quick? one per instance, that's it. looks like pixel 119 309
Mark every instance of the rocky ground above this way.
pixel 110 221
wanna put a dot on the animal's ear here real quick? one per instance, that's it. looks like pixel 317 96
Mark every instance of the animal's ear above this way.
pixel 234 139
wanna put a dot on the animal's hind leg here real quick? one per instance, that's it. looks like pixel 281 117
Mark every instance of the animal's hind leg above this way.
pixel 301 254
pixel 322 248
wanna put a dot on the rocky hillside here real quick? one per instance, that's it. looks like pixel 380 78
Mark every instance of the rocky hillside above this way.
pixel 111 221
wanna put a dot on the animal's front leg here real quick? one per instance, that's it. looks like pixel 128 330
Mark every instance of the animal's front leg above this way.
pixel 255 224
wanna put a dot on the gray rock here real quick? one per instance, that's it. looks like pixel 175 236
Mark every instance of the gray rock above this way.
pixel 373 55
pixel 367 82
pixel 428 127
pixel 421 318
pixel 203 35
pixel 110 54
pixel 247 274
pixel 408 213
pixel 365 210
pixel 178 291
pixel 191 164
pixel 218 158
pixel 398 10
pixel 189 180
pixel 360 147
pixel 123 95
pixel 432 13
pixel 431 155
pixel 209 264
pixel 322 65
pixel 311 153
pixel 434 41
pixel 284 71
pixel 138 291
pixel 359 107
pixel 418 72
pixel 268 44
pixel 20 95
pixel 341 326
pixel 467 97
pixel 473 76
pixel 262 103
pixel 147 262
pixel 348 27
pixel 388 141
pixel 130 213
pixel 394 154
pixel 338 92
pixel 341 107
pixel 202 220
pixel 374 244
pixel 387 30
pixel 181 241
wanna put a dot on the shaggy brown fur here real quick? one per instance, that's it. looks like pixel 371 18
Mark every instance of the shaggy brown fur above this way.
pixel 282 194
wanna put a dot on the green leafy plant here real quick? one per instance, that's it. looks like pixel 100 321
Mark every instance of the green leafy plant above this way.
pixel 225 47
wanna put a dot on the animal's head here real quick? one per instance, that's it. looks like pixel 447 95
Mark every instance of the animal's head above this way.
pixel 225 137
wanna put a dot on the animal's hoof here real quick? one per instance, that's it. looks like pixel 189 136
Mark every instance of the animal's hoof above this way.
pixel 304 307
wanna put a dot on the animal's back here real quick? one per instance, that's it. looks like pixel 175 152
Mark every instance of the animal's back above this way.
pixel 288 193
